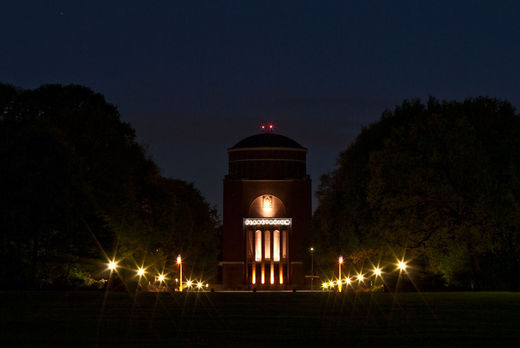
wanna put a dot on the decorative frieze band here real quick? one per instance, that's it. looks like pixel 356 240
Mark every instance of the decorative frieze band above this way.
pixel 267 221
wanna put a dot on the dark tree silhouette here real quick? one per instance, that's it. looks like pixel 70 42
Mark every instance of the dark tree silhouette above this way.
pixel 77 188
pixel 440 182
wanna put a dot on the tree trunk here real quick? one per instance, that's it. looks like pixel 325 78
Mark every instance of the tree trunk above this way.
pixel 475 266
pixel 34 259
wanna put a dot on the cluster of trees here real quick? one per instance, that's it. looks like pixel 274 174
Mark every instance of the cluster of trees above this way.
pixel 77 190
pixel 438 183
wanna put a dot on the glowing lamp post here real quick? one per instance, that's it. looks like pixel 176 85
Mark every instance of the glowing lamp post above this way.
pixel 312 267
pixel 402 266
pixel 377 274
pixel 112 265
pixel 340 262
pixel 179 262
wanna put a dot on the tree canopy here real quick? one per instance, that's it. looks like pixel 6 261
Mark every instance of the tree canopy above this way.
pixel 438 182
pixel 77 190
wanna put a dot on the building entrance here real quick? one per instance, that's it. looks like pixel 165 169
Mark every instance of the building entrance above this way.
pixel 267 246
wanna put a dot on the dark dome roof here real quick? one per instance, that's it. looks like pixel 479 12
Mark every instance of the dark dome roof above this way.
pixel 267 140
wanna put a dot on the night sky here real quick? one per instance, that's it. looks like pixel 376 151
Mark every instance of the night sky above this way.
pixel 193 78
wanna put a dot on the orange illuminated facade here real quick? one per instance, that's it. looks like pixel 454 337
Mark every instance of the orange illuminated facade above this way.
pixel 267 212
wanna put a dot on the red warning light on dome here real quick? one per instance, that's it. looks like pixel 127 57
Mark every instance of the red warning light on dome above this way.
pixel 267 127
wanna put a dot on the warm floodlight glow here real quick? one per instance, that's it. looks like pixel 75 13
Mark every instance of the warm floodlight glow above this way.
pixel 140 272
pixel 189 283
pixel 312 249
pixel 179 260
pixel 161 277
pixel 324 285
pixel 112 265
pixel 402 265
pixel 207 285
pixel 331 284
pixel 338 282
pixel 340 260
pixel 377 271
pixel 348 281
pixel 199 285
pixel 360 277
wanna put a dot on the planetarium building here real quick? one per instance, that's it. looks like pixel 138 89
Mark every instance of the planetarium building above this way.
pixel 267 214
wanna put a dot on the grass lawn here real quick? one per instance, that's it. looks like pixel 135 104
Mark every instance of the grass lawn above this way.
pixel 260 319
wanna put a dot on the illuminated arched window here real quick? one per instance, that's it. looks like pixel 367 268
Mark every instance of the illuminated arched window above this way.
pixel 267 202
pixel 258 245
pixel 276 245
pixel 250 243
pixel 267 247
pixel 266 205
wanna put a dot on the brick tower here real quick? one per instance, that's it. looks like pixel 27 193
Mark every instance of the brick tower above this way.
pixel 267 213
